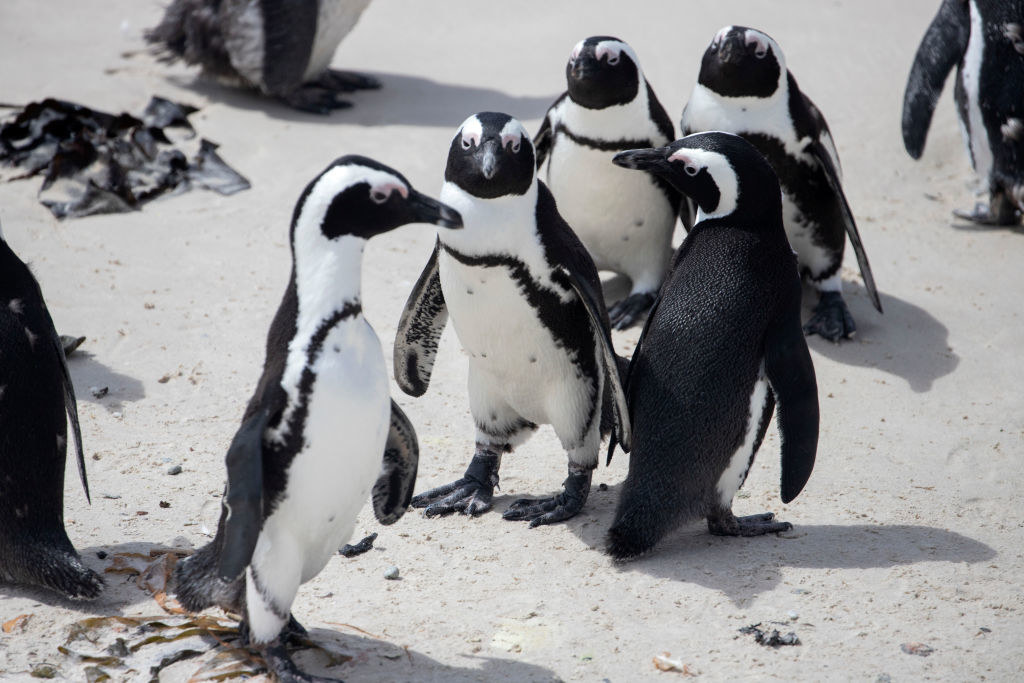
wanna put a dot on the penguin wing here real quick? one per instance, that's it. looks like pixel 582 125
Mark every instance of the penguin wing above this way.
pixel 71 407
pixel 791 375
pixel 289 30
pixel 942 47
pixel 577 271
pixel 243 500
pixel 820 152
pixel 393 490
pixel 545 137
pixel 419 330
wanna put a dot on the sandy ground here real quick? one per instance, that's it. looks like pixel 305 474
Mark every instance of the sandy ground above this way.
pixel 908 531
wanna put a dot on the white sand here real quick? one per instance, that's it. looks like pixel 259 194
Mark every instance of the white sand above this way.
pixel 908 531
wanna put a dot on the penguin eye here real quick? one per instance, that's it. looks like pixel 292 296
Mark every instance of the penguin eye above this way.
pixel 515 147
pixel 613 60
pixel 466 144
pixel 691 170
pixel 760 52
pixel 512 142
pixel 379 196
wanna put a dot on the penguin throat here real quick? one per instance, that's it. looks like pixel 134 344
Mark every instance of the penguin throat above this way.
pixel 618 121
pixel 500 225
pixel 328 277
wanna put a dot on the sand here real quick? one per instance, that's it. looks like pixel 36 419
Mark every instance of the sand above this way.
pixel 908 532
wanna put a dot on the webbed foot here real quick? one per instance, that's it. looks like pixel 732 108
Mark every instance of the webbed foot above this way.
pixel 315 99
pixel 471 495
pixel 831 319
pixel 627 312
pixel 347 81
pixel 567 504
pixel 999 211
pixel 280 664
pixel 724 523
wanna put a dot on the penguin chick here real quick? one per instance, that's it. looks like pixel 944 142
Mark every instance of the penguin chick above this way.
pixel 720 348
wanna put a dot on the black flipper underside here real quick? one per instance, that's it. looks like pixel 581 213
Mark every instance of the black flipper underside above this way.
pixel 419 330
pixel 393 491
pixel 244 497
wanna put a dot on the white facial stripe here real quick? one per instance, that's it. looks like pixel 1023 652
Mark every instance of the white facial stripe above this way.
pixel 576 50
pixel 721 172
pixel 614 48
pixel 759 39
pixel 472 130
pixel 513 131
pixel 720 36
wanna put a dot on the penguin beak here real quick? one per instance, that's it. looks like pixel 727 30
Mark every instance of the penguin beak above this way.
pixel 653 160
pixel 427 210
pixel 489 159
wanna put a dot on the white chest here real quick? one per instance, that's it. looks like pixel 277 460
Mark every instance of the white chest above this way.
pixel 335 18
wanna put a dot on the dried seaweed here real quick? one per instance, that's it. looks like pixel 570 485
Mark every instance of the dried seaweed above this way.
pixel 770 637
pixel 95 162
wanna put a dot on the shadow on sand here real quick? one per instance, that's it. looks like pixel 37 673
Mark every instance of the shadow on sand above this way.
pixel 87 372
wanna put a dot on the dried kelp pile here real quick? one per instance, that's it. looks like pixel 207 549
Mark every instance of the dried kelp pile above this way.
pixel 94 162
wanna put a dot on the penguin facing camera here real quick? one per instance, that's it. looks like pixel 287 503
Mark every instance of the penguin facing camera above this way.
pixel 984 39
pixel 625 220
pixel 721 347
pixel 525 300
pixel 745 88
pixel 312 439
pixel 37 400
pixel 283 49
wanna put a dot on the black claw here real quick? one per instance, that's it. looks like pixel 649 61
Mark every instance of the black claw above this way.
pixel 627 312
pixel 347 81
pixel 725 524
pixel 561 507
pixel 470 495
pixel 280 663
pixel 831 319
pixel 997 213
pixel 315 99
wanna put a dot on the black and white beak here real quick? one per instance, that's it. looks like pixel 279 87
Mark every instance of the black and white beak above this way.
pixel 428 210
pixel 653 160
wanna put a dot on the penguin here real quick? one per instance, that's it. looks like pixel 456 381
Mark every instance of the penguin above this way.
pixel 744 88
pixel 625 220
pixel 985 40
pixel 321 428
pixel 721 347
pixel 281 48
pixel 525 300
pixel 37 401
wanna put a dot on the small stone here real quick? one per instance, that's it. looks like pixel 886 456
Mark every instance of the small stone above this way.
pixel 793 615
pixel 174 469
pixel 112 496
pixel 102 554
pixel 45 671
pixel 391 573
pixel 919 649
pixel 99 392
pixel 164 504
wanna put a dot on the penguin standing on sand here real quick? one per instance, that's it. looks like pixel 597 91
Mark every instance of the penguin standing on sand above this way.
pixel 985 40
pixel 526 303
pixel 283 49
pixel 311 442
pixel 745 88
pixel 625 220
pixel 721 347
pixel 36 401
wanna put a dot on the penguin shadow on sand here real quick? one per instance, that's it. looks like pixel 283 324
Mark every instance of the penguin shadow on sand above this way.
pixel 905 341
pixel 968 226
pixel 88 374
pixel 401 100
pixel 743 568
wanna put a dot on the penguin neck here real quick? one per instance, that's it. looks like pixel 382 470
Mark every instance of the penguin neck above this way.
pixel 328 276
pixel 491 226
pixel 619 121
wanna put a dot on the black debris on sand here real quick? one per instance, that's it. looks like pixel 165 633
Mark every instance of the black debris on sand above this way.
pixel 765 634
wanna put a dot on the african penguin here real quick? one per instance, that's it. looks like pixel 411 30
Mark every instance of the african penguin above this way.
pixel 525 300
pixel 720 348
pixel 745 88
pixel 37 399
pixel 281 48
pixel 313 436
pixel 985 40
pixel 625 220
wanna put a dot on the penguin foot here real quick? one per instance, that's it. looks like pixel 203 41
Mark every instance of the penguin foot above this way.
pixel 365 545
pixel 69 344
pixel 565 505
pixel 470 495
pixel 831 319
pixel 627 312
pixel 280 664
pixel 727 524
pixel 315 99
pixel 997 213
pixel 347 81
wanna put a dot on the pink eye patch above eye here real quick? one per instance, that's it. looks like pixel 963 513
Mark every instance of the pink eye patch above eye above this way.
pixel 381 191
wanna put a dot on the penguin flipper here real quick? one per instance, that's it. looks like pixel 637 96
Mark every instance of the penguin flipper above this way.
pixel 244 497
pixel 419 330
pixel 393 491
pixel 545 136
pixel 791 376
pixel 71 407
pixel 818 150
pixel 942 47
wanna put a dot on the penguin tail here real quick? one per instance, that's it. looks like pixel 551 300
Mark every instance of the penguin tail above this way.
pixel 57 568
pixel 197 586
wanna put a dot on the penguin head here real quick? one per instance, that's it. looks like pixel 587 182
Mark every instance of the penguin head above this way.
pixel 723 173
pixel 602 72
pixel 491 156
pixel 360 197
pixel 742 62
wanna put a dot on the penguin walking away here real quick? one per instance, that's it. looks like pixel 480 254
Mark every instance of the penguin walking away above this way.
pixel 312 439
pixel 720 348
pixel 525 300
pixel 282 48
pixel 625 220
pixel 37 400
pixel 985 40
pixel 745 88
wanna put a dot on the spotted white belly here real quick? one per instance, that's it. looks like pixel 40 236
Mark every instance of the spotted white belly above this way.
pixel 329 481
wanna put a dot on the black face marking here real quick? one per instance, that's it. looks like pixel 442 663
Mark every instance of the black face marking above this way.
pixel 732 67
pixel 471 162
pixel 598 83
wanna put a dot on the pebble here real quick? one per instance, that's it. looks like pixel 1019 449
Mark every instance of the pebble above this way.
pixel 174 469
pixel 99 392
pixel 391 573
pixel 793 615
